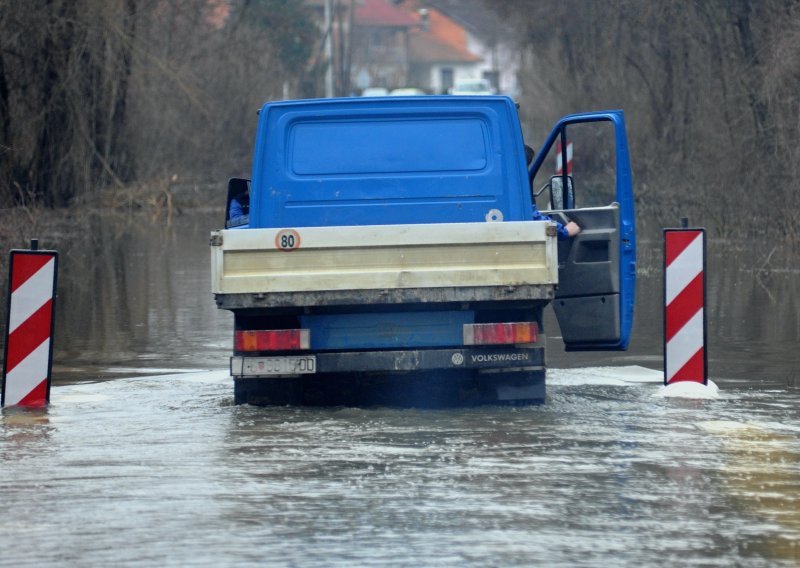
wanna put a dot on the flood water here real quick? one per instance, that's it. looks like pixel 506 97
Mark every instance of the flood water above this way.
pixel 142 459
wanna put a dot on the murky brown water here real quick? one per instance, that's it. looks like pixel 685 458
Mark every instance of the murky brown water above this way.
pixel 157 467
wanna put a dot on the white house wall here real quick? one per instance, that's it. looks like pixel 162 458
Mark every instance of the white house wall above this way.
pixel 505 60
pixel 461 72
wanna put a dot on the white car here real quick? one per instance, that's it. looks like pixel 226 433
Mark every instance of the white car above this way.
pixel 375 92
pixel 406 92
pixel 476 87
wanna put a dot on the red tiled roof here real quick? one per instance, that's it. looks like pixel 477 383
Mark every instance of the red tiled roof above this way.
pixel 441 40
pixel 423 47
pixel 381 13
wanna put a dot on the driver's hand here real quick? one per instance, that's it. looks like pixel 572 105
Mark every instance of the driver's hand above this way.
pixel 572 228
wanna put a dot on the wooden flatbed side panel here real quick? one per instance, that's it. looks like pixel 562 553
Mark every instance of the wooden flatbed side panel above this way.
pixel 384 256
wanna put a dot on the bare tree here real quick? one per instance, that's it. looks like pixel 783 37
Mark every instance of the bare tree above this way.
pixel 198 82
pixel 64 69
pixel 98 93
pixel 707 87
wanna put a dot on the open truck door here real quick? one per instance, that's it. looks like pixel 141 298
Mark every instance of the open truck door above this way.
pixel 583 174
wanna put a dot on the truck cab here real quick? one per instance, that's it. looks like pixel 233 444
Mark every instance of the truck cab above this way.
pixel 392 252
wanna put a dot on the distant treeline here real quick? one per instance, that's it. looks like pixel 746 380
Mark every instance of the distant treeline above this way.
pixel 103 93
pixel 710 89
pixel 99 93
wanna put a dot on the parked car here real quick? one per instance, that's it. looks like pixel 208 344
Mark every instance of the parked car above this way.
pixel 475 87
pixel 406 92
pixel 375 92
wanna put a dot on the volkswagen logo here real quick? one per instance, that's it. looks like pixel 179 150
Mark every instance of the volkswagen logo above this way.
pixel 457 359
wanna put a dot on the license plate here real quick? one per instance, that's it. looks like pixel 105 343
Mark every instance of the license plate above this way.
pixel 301 365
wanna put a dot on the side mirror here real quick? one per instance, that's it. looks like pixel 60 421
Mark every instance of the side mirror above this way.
pixel 560 198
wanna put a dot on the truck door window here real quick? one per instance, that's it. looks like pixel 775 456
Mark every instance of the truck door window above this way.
pixel 237 210
pixel 591 161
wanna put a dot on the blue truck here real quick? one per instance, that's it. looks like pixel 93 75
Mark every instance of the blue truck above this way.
pixel 401 251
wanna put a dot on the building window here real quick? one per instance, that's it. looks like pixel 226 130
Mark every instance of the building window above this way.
pixel 446 79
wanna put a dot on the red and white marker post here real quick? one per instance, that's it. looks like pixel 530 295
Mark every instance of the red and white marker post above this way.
pixel 29 327
pixel 560 156
pixel 685 355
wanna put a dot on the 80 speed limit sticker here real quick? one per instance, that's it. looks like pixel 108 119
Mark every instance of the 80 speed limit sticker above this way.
pixel 287 240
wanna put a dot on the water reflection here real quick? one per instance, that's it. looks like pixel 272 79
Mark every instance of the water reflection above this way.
pixel 599 475
pixel 136 294
pixel 753 311
pixel 25 433
pixel 761 475
pixel 166 470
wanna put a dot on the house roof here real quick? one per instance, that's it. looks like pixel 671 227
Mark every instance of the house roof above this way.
pixel 381 13
pixel 481 18
pixel 438 38
pixel 426 48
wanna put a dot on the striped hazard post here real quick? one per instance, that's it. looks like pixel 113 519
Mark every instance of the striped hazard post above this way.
pixel 29 327
pixel 685 356
pixel 560 158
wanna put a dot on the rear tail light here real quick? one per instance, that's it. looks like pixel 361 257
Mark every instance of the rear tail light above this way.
pixel 500 333
pixel 271 340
